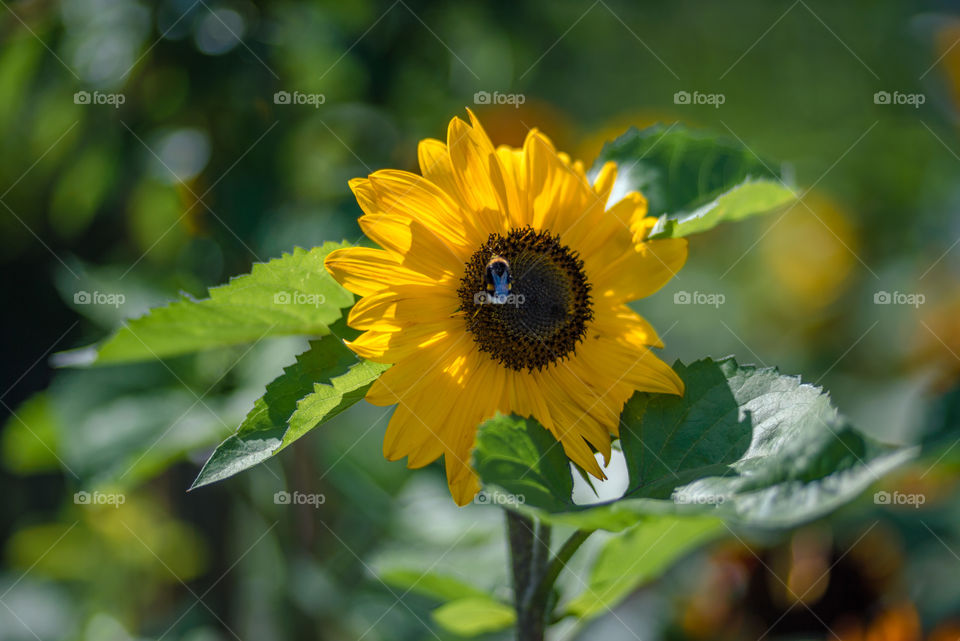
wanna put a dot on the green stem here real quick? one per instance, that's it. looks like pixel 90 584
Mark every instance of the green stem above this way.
pixel 534 572
pixel 559 562
pixel 520 536
pixel 528 561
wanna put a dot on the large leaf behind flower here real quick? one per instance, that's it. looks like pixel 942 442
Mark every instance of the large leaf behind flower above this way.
pixel 743 443
pixel 290 295
pixel 694 180
pixel 326 379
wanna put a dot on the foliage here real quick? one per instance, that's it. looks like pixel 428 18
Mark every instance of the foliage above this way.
pixel 289 295
pixel 326 379
pixel 743 443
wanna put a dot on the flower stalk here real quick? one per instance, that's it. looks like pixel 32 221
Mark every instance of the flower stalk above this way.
pixel 534 571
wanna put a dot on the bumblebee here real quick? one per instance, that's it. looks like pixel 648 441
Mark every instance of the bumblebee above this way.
pixel 499 281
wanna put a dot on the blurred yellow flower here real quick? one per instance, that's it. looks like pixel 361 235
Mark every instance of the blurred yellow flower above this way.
pixel 811 252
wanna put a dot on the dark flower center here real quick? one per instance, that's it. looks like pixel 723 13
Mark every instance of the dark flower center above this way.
pixel 525 299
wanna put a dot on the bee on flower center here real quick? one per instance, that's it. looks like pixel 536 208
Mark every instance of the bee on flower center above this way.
pixel 541 295
pixel 499 281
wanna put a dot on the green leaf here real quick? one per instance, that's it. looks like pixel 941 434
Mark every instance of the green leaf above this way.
pixel 639 555
pixel 743 443
pixel 29 440
pixel 290 295
pixel 747 199
pixel 762 448
pixel 441 587
pixel 324 381
pixel 521 457
pixel 667 444
pixel 943 425
pixel 694 180
pixel 474 615
pixel 118 427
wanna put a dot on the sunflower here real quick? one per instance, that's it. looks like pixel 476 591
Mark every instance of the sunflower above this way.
pixel 501 286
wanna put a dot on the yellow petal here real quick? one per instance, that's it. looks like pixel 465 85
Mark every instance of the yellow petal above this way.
pixel 363 192
pixel 463 487
pixel 406 194
pixel 435 166
pixel 367 271
pixel 576 422
pixel 392 346
pixel 599 235
pixel 475 164
pixel 419 370
pixel 518 210
pixel 637 369
pixel 640 273
pixel 543 171
pixel 481 374
pixel 625 324
pixel 605 180
pixel 413 432
pixel 502 180
pixel 403 306
pixel 418 247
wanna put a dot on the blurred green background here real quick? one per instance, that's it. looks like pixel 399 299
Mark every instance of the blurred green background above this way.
pixel 176 166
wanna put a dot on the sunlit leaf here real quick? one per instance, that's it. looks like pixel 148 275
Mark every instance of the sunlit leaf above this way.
pixel 441 587
pixel 694 180
pixel 521 457
pixel 747 199
pixel 474 616
pixel 638 555
pixel 285 296
pixel 324 381
pixel 29 438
